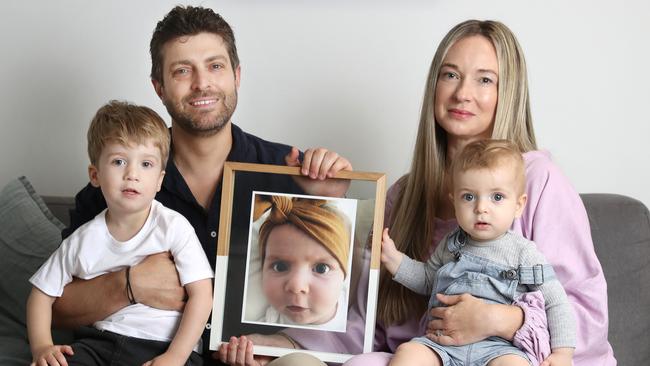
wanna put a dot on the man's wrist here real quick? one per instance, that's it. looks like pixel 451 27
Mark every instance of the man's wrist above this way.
pixel 128 289
pixel 117 285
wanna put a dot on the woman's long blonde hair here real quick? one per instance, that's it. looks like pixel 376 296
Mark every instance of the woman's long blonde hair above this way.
pixel 412 217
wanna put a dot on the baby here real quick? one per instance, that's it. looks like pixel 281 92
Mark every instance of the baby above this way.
pixel 304 246
pixel 484 259
pixel 128 147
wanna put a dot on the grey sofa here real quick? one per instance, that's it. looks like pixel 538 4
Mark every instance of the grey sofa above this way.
pixel 620 228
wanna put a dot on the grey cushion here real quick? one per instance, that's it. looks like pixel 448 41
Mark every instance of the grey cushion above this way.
pixel 28 234
pixel 620 227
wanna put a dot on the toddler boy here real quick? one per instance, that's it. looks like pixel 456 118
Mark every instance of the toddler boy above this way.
pixel 128 146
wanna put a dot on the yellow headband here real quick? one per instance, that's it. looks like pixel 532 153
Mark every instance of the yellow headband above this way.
pixel 313 217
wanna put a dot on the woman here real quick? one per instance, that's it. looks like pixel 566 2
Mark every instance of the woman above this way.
pixel 476 89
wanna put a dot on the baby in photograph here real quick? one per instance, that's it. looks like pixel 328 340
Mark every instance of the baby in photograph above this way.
pixel 304 246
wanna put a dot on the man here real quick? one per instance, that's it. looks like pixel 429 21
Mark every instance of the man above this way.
pixel 195 72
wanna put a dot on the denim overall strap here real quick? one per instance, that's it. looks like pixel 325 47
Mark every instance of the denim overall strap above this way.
pixel 536 274
pixel 531 275
pixel 456 241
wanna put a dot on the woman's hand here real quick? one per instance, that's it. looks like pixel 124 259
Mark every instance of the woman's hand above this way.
pixel 466 319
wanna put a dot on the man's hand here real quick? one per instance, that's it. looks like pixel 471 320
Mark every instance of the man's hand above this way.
pixel 390 256
pixel 155 283
pixel 317 165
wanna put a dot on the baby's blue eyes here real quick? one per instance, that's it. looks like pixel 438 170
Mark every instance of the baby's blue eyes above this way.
pixel 279 266
pixel 321 268
pixel 282 266
pixel 496 197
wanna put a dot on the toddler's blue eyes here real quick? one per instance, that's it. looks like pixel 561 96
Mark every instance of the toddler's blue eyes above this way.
pixel 497 197
pixel 280 266
pixel 321 268
pixel 119 162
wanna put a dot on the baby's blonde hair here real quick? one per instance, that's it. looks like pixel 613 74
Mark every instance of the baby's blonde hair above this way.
pixel 126 123
pixel 489 154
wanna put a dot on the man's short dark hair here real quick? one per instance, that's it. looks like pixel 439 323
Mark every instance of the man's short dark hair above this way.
pixel 189 21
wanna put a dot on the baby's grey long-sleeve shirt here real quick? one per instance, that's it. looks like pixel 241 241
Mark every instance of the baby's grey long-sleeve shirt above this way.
pixel 510 250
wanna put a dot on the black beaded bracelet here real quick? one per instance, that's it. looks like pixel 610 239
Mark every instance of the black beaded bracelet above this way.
pixel 129 290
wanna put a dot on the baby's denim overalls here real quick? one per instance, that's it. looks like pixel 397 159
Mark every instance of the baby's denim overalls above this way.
pixel 486 280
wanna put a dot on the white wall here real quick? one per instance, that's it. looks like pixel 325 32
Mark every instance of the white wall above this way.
pixel 349 76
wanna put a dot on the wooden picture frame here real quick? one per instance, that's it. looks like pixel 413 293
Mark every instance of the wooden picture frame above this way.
pixel 234 243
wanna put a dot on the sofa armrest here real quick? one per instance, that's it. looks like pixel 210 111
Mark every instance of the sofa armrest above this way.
pixel 620 228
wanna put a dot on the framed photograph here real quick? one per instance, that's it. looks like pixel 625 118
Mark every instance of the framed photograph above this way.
pixel 291 261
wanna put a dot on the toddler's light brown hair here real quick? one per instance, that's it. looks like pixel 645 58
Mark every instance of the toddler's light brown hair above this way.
pixel 126 123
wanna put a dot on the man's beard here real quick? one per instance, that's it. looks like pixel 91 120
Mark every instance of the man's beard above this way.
pixel 201 126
